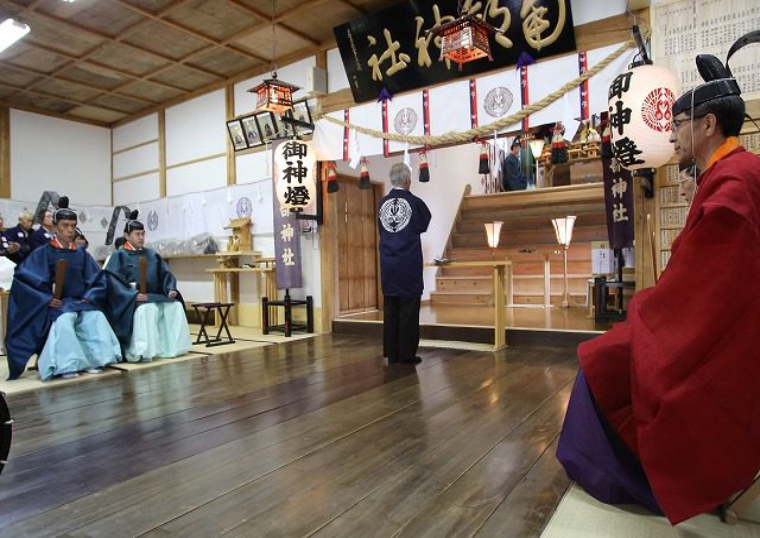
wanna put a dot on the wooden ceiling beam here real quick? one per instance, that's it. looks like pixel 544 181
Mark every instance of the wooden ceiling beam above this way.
pixel 243 75
pixel 177 26
pixel 50 113
pixel 20 89
pixel 283 16
pixel 99 65
pixel 111 39
pixel 37 73
pixel 264 17
pixel 148 76
pixel 354 6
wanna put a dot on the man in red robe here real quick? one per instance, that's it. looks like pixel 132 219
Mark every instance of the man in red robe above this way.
pixel 665 410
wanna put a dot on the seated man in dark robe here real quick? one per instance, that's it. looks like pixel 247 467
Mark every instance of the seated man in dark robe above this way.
pixel 16 245
pixel 42 235
pixel 159 325
pixel 513 177
pixel 63 326
pixel 665 409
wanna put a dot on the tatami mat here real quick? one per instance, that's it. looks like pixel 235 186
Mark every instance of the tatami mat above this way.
pixel 451 344
pixel 581 516
pixel 30 381
pixel 254 334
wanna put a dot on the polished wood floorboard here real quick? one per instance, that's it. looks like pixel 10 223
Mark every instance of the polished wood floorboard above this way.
pixel 311 438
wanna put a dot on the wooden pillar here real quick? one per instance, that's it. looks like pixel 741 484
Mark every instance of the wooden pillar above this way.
pixel 643 252
pixel 5 152
pixel 328 254
pixel 229 103
pixel 162 153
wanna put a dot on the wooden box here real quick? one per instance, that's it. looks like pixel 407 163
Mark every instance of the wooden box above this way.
pixel 586 172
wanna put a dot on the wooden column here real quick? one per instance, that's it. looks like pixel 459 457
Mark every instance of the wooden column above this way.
pixel 643 251
pixel 229 103
pixel 5 152
pixel 162 153
pixel 328 254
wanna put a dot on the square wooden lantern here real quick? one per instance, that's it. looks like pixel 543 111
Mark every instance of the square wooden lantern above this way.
pixel 274 95
pixel 241 239
pixel 465 39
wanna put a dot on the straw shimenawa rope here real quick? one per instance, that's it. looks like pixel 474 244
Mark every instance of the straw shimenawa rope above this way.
pixel 487 130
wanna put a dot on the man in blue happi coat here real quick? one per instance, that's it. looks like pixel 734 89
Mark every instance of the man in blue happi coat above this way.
pixel 159 325
pixel 63 326
pixel 402 218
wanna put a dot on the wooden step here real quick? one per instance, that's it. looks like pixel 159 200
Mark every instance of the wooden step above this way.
pixel 473 224
pixel 526 238
pixel 481 299
pixel 461 298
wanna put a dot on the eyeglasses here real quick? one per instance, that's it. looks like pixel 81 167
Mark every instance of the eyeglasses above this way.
pixel 676 123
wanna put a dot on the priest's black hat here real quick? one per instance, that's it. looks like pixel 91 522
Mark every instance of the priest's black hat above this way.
pixel 719 81
pixel 132 223
pixel 63 212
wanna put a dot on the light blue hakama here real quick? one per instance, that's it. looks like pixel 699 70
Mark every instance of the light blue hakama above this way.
pixel 158 330
pixel 78 341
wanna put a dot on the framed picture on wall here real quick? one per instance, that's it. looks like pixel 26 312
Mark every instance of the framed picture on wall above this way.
pixel 301 112
pixel 251 130
pixel 235 128
pixel 267 126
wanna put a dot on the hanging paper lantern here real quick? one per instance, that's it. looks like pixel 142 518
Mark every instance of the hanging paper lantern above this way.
pixel 424 170
pixel 274 95
pixel 640 106
pixel 464 39
pixel 483 166
pixel 332 178
pixel 295 169
pixel 364 182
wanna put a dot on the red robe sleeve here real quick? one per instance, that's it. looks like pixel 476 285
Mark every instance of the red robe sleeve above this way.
pixel 679 380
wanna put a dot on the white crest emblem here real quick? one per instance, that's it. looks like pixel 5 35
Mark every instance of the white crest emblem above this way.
pixel 395 214
pixel 405 121
pixel 498 101
pixel 152 221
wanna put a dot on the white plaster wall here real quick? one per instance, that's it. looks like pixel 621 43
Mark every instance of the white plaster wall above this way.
pixel 197 177
pixel 135 132
pixel 142 159
pixel 253 167
pixel 65 156
pixel 137 189
pixel 336 72
pixel 585 11
pixel 196 129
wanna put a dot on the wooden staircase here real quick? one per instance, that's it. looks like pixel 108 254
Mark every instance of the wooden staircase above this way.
pixel 527 238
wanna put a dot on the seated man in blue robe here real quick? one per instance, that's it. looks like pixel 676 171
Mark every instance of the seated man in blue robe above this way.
pixel 15 244
pixel 159 325
pixel 63 326
pixel 42 235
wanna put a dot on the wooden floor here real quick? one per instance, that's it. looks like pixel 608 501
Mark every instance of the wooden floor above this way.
pixel 311 438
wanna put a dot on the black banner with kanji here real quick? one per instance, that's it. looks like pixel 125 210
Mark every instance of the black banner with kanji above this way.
pixel 618 201
pixel 390 48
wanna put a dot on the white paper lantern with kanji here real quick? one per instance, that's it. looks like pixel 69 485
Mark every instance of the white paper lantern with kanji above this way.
pixel 295 172
pixel 641 114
